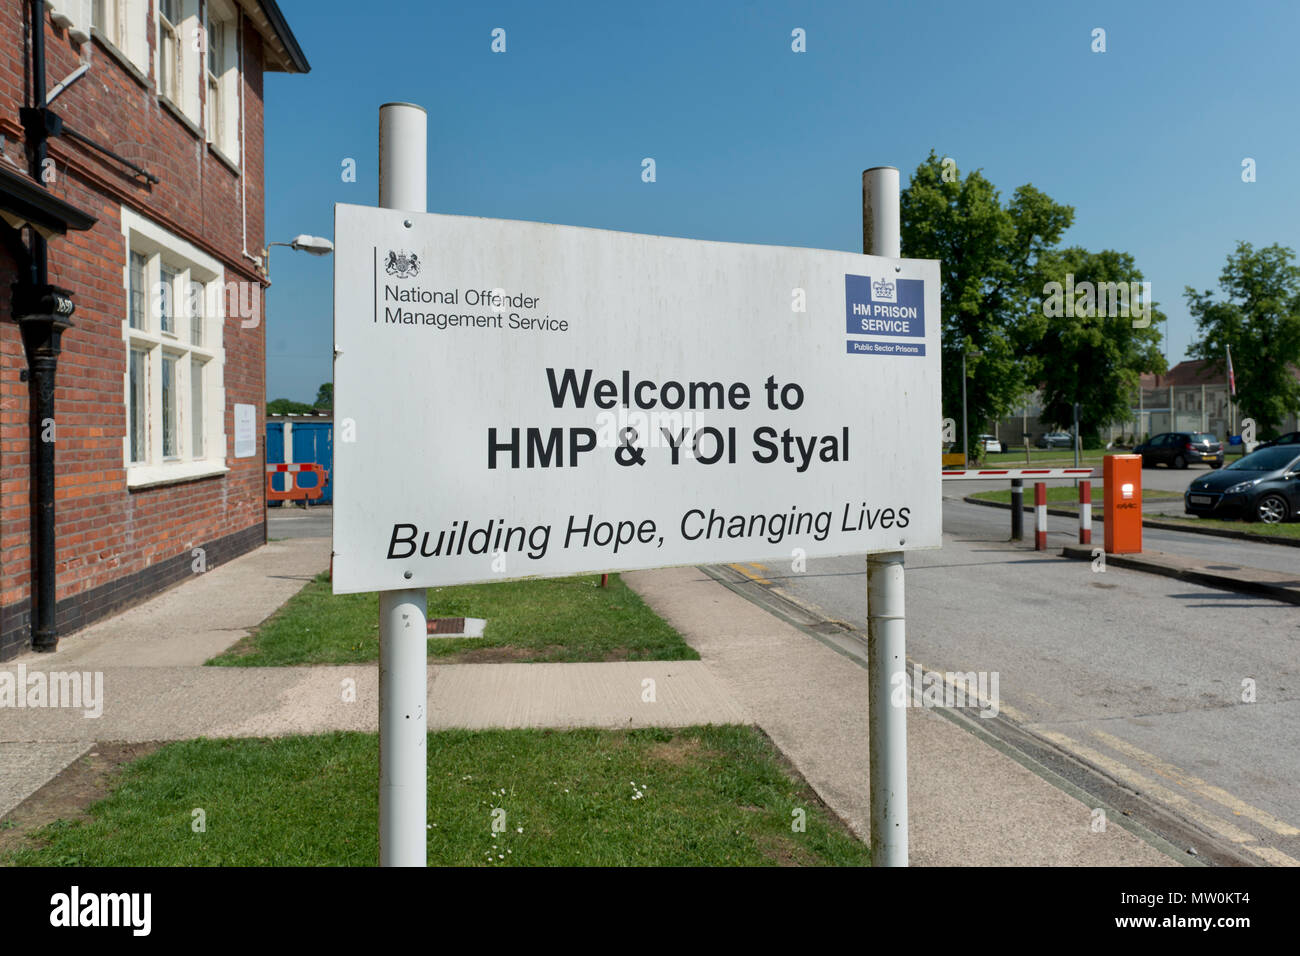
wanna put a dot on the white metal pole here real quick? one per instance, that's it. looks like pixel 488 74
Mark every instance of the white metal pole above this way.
pixel 403 638
pixel 881 232
pixel 886 621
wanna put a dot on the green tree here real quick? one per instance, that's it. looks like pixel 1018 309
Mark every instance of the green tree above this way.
pixel 1092 348
pixel 1259 319
pixel 325 396
pixel 287 406
pixel 989 254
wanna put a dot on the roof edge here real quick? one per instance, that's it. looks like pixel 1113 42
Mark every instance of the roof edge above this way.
pixel 281 27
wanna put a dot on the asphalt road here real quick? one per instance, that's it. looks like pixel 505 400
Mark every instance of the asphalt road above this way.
pixel 1140 676
pixel 299 522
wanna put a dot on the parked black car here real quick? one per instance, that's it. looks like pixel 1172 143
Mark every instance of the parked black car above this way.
pixel 1180 449
pixel 1262 486
pixel 1290 438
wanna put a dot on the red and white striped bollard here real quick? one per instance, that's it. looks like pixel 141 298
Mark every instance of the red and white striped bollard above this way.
pixel 1040 516
pixel 1085 512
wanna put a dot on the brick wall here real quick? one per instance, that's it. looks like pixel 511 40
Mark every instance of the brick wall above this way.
pixel 116 546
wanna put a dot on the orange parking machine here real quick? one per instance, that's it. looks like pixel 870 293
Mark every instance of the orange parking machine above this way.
pixel 1122 513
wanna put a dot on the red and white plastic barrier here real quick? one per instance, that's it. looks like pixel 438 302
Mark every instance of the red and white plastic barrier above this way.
pixel 294 491
pixel 1040 516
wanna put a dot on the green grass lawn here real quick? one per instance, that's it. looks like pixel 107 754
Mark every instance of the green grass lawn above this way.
pixel 1069 495
pixel 1288 530
pixel 556 619
pixel 709 796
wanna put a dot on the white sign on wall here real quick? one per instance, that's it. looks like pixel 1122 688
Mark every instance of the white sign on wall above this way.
pixel 245 431
pixel 517 399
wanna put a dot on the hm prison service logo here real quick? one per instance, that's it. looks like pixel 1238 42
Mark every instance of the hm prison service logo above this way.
pixel 884 306
pixel 403 264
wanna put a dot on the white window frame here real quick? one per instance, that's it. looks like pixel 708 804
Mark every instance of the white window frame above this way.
pixel 222 120
pixel 187 55
pixel 192 265
pixel 124 28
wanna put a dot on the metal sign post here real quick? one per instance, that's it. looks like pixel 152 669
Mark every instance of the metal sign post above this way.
pixel 403 640
pixel 886 620
pixel 527 399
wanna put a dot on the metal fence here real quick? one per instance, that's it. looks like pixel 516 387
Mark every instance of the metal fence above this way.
pixel 1197 408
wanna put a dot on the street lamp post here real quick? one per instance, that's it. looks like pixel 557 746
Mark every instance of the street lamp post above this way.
pixel 965 443
pixel 312 245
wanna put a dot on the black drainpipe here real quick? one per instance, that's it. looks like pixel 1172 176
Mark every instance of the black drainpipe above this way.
pixel 43 313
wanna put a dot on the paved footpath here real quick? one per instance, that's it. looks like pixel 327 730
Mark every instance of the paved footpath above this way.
pixel 155 687
pixel 970 804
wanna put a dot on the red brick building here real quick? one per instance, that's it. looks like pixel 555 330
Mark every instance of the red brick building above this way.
pixel 147 206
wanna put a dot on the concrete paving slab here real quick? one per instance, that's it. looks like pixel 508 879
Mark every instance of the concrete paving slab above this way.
pixel 197 619
pixel 969 803
pixel 175 703
pixel 26 767
pixel 1281 586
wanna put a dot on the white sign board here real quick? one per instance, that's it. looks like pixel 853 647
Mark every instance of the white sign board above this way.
pixel 517 399
pixel 245 431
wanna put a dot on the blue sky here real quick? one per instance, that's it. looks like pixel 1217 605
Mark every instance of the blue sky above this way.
pixel 756 143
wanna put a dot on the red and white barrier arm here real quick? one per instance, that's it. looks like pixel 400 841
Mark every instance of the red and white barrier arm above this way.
pixel 997 474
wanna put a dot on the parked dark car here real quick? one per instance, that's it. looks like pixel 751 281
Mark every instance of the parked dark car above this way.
pixel 1290 438
pixel 1262 486
pixel 1055 440
pixel 1180 449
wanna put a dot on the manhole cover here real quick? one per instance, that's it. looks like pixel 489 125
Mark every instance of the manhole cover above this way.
pixel 447 625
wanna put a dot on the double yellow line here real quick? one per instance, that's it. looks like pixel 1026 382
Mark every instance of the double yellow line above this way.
pixel 1159 768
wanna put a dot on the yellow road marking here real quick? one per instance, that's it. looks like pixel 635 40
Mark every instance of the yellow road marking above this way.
pixel 750 574
pixel 1122 772
pixel 1181 777
pixel 1276 857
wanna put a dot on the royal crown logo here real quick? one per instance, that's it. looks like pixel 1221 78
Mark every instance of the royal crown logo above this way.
pixel 883 290
pixel 403 264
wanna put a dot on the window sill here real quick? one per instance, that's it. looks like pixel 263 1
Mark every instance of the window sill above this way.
pixel 216 151
pixel 149 476
pixel 123 60
pixel 179 113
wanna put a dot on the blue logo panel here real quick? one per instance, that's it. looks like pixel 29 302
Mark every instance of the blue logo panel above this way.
pixel 864 347
pixel 884 306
